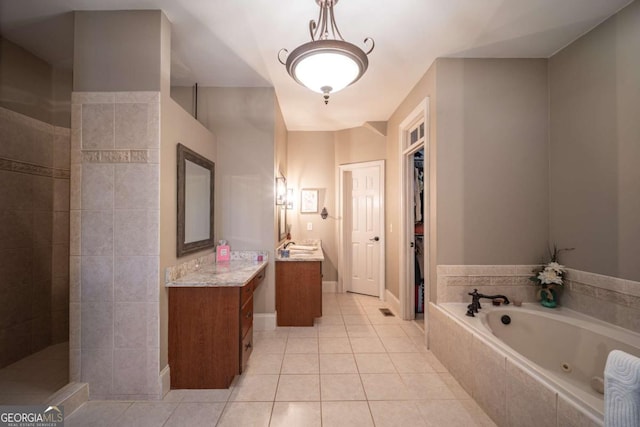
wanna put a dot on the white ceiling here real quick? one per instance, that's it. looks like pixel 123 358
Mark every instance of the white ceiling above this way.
pixel 235 42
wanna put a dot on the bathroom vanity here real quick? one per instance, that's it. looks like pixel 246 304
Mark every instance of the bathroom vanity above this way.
pixel 211 323
pixel 299 285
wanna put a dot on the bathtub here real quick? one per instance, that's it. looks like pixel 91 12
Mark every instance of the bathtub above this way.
pixel 563 349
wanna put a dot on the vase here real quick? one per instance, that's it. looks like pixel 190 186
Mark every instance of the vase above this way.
pixel 548 297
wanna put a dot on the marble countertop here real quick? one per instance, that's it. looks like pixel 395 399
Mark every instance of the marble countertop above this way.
pixel 233 273
pixel 298 255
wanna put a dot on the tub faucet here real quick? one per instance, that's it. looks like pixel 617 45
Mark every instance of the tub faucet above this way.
pixel 287 244
pixel 475 301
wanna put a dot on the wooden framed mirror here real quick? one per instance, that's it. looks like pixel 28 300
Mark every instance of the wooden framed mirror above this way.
pixel 195 202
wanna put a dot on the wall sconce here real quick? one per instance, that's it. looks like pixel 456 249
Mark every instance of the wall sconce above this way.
pixel 289 198
pixel 281 190
pixel 324 214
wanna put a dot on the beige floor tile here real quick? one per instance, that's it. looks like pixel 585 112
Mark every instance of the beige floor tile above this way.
pixel 334 345
pixel 341 387
pixel 278 332
pixel 374 363
pixel 337 364
pixel 478 415
pixel 399 345
pixel 300 364
pixel 205 396
pixel 330 319
pixel 361 331
pixel 298 388
pixel 426 386
pixel 390 331
pixel 146 414
pixel 384 387
pixel 355 319
pixel 291 414
pixel 195 414
pixel 255 388
pixel 264 364
pixel 412 330
pixel 396 413
pixel 174 396
pixel 438 413
pixel 269 345
pixel 367 345
pixel 411 362
pixel 254 414
pixel 303 332
pixel 332 331
pixel 435 363
pixel 346 414
pixel 454 386
pixel 302 345
pixel 96 414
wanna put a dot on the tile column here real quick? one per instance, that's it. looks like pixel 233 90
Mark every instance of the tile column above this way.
pixel 114 247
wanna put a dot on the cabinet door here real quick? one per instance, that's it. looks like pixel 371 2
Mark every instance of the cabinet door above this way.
pixel 298 292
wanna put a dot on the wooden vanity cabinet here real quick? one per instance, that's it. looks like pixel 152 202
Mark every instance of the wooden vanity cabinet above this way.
pixel 298 292
pixel 210 333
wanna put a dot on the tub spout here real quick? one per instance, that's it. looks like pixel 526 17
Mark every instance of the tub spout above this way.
pixel 475 301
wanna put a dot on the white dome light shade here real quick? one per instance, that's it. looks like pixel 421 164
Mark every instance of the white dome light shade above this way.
pixel 326 65
pixel 331 70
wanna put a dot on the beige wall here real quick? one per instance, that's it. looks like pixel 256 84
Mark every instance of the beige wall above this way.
pixel 595 147
pixel 177 126
pixel 118 50
pixel 33 87
pixel 488 160
pixel 424 88
pixel 492 160
pixel 359 144
pixel 243 122
pixel 311 158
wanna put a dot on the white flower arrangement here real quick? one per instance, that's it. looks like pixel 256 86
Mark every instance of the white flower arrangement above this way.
pixel 550 274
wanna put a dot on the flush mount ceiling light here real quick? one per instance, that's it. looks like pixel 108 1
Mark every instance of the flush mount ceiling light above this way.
pixel 326 65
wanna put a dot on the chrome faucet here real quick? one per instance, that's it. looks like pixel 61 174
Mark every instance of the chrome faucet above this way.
pixel 475 301
pixel 287 244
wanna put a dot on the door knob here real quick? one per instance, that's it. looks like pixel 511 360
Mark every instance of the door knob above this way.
pixel 375 239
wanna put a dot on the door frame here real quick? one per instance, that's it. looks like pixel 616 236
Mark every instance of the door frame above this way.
pixel 406 252
pixel 344 260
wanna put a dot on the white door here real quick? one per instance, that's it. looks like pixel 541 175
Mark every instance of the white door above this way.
pixel 365 231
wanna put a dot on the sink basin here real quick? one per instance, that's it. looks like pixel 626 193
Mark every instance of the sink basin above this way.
pixel 301 254
pixel 307 248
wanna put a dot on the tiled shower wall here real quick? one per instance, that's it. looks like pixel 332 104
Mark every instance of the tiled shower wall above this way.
pixel 613 300
pixel 34 235
pixel 115 207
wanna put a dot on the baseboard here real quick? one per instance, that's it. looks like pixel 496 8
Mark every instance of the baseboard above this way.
pixel 264 321
pixel 71 397
pixel 330 287
pixel 392 302
pixel 165 381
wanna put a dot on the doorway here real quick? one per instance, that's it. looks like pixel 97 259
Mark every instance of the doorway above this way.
pixel 415 219
pixel 361 251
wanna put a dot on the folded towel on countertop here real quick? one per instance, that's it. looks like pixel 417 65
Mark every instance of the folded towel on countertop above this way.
pixel 622 390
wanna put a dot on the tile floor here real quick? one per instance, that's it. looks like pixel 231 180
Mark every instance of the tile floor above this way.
pixel 355 367
pixel 31 380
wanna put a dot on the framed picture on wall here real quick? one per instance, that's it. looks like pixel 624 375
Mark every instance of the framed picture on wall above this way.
pixel 309 201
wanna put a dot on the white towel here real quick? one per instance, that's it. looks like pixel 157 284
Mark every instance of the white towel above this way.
pixel 622 390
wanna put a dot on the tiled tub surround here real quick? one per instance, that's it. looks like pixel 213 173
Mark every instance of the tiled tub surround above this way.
pixel 510 389
pixel 34 235
pixel 500 386
pixel 613 300
pixel 114 227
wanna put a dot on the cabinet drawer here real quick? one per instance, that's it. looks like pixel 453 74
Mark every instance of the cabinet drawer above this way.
pixel 246 292
pixel 246 317
pixel 245 351
pixel 259 278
